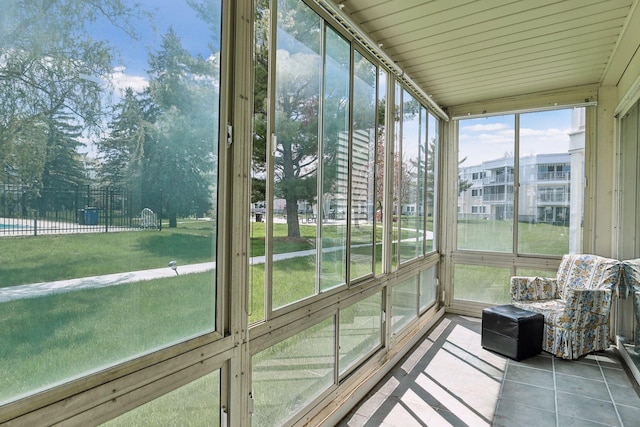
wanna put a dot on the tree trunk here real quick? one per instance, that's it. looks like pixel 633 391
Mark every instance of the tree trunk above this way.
pixel 293 225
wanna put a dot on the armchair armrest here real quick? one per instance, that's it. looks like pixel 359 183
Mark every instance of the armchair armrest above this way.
pixel 533 288
pixel 588 306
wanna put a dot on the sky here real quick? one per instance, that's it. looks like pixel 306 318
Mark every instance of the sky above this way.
pixel 130 67
pixel 488 138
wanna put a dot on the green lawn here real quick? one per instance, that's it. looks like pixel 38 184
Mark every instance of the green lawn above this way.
pixel 497 236
pixel 50 339
pixel 57 257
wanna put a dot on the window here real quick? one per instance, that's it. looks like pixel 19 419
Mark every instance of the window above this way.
pixel 298 90
pixel 319 157
pixel 196 403
pixel 489 144
pixel 363 169
pixel 297 370
pixel 549 187
pixel 532 194
pixel 404 303
pixel 551 204
pixel 360 331
pixel 114 141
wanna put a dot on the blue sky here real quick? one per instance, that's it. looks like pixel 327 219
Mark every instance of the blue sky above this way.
pixel 131 65
pixel 489 138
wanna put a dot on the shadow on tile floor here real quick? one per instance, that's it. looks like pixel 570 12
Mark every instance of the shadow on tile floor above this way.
pixel 448 379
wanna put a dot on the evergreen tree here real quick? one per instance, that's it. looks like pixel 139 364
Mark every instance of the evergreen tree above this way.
pixel 181 161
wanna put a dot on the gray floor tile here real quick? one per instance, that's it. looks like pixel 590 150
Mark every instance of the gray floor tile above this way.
pixel 605 358
pixel 600 411
pixel 625 396
pixel 567 421
pixel 527 375
pixel 582 386
pixel 525 394
pixel 584 370
pixel 617 376
pixel 511 414
pixel 630 416
pixel 541 361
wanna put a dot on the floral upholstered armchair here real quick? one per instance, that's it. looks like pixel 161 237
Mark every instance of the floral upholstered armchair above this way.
pixel 575 304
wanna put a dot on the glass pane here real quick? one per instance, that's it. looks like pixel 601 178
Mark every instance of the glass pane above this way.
pixel 363 168
pixel 485 184
pixel 360 330
pixel 432 176
pixel 257 224
pixel 428 287
pixel 379 168
pixel 482 284
pixel 525 272
pixel 335 161
pixel 194 404
pixel 124 138
pixel 404 303
pixel 297 94
pixel 551 182
pixel 397 181
pixel 411 185
pixel 296 370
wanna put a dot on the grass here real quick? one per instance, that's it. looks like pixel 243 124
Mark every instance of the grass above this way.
pixel 58 257
pixel 51 339
pixel 497 236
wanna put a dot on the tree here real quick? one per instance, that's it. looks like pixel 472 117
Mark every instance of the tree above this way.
pixel 296 159
pixel 260 101
pixel 131 133
pixel 51 82
pixel 463 184
pixel 297 100
pixel 180 162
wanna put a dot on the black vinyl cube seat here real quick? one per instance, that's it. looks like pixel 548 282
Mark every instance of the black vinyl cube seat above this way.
pixel 512 331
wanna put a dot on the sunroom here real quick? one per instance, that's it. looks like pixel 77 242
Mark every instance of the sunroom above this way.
pixel 248 212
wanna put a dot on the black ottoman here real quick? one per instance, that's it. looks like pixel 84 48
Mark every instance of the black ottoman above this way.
pixel 512 331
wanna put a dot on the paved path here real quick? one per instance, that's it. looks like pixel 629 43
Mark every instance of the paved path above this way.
pixel 33 290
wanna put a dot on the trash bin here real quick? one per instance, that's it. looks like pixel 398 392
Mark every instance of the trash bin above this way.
pixel 258 217
pixel 91 216
pixel 80 217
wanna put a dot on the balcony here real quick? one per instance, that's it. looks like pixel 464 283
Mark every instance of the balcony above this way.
pixel 553 176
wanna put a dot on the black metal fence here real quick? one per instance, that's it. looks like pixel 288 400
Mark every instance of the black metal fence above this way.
pixel 28 211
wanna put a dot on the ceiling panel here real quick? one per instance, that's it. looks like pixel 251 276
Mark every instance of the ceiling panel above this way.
pixel 465 51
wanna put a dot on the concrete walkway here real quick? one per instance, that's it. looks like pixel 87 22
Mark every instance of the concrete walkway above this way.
pixel 33 290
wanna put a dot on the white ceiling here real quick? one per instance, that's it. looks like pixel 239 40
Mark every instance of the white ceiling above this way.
pixel 465 51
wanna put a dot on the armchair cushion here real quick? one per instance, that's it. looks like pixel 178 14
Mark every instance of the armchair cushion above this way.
pixel 533 288
pixel 575 305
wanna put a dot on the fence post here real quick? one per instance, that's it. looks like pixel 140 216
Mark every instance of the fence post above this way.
pixel 106 209
pixel 160 212
pixel 35 222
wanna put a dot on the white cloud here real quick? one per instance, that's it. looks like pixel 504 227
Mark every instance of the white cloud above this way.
pixel 485 128
pixel 121 80
pixel 544 132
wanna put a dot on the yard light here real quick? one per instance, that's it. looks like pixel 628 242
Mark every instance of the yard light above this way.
pixel 174 266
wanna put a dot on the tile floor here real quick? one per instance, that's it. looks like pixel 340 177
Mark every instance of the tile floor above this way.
pixel 448 379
